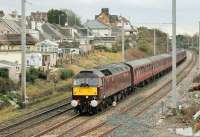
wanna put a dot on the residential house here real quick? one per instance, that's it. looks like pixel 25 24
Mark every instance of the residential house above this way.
pixel 10 47
pixel 85 38
pixel 49 51
pixel 13 70
pixel 115 22
pixel 106 18
pixel 12 42
pixel 98 29
pixel 101 32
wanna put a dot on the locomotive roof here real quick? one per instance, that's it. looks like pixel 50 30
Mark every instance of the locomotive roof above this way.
pixel 113 68
pixel 93 73
pixel 104 70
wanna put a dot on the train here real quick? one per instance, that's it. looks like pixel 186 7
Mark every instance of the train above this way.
pixel 96 89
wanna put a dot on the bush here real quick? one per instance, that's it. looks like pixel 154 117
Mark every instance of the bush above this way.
pixel 31 77
pixel 32 74
pixel 144 48
pixel 42 75
pixel 6 85
pixel 4 73
pixel 65 74
pixel 4 100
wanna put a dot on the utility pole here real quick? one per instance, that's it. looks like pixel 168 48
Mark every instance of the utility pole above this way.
pixel 189 43
pixel 199 45
pixel 197 41
pixel 75 20
pixel 88 36
pixel 174 53
pixel 123 50
pixel 59 19
pixel 167 43
pixel 23 56
pixel 192 43
pixel 154 42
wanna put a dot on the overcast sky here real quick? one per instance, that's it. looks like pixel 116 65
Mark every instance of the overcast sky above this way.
pixel 139 11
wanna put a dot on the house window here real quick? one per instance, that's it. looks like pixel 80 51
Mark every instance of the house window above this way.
pixel 28 48
pixel 45 49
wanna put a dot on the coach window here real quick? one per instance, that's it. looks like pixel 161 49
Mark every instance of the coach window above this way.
pixel 138 70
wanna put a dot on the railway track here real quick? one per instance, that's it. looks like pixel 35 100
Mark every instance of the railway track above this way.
pixel 69 126
pixel 32 119
pixel 100 129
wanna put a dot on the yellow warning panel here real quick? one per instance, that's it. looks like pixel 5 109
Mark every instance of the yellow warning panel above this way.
pixel 85 91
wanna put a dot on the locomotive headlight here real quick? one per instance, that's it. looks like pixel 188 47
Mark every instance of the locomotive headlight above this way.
pixel 74 103
pixel 93 103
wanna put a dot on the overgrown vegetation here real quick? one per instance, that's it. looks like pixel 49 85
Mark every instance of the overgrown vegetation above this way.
pixel 65 74
pixel 32 74
pixel 3 72
pixel 6 85
pixel 145 40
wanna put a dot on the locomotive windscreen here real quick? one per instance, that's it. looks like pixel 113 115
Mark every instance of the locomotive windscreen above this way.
pixel 86 74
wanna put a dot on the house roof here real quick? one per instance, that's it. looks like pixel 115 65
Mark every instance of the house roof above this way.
pixel 6 64
pixel 94 24
pixel 48 42
pixel 11 25
pixel 50 31
pixel 15 39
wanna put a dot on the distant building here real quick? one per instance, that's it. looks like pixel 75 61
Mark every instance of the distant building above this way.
pixel 39 16
pixel 115 21
pixel 107 19
pixel 1 13
pixel 98 29
pixel 101 32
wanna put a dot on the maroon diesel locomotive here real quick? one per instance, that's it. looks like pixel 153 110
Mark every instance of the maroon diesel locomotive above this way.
pixel 96 89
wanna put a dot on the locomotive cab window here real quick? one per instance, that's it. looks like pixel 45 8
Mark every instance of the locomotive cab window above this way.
pixel 86 82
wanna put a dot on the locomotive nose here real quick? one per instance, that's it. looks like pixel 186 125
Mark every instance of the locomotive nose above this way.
pixel 74 103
